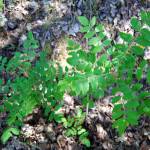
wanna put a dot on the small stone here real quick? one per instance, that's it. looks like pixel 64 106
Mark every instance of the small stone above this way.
pixel 74 29
pixel 79 4
pixel 101 133
pixel 147 55
pixel 41 138
pixel 50 133
pixel 113 12
pixel 29 26
pixel 114 2
pixel 40 22
pixel 15 144
pixel 69 100
pixel 3 20
pixel 113 6
pixel 28 130
pixel 102 16
pixel 32 7
pixel 130 135
pixel 110 19
pixel 39 128
pixel 122 2
pixel 107 145
pixel 79 12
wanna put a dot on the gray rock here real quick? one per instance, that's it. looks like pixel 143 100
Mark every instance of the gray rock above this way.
pixel 15 144
pixel 28 130
pixel 50 133
pixel 147 55
pixel 74 29
pixel 12 25
pixel 115 2
pixel 39 128
pixel 115 21
pixel 79 12
pixel 113 12
pixel 33 7
pixel 110 19
pixel 102 16
pixel 113 6
pixel 79 3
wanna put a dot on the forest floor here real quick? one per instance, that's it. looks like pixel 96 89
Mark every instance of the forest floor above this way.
pixel 51 21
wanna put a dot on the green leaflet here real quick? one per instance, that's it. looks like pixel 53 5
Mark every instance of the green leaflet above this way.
pixel 80 86
pixel 148 76
pixel 93 21
pixel 107 42
pixel 30 42
pixel 137 50
pixel 97 49
pixel 93 80
pixel 86 101
pixel 94 41
pixel 135 24
pixel 145 16
pixel 132 117
pixel 139 73
pixel 117 115
pixel 142 41
pixel 72 45
pixel 146 34
pixel 99 93
pixel 116 99
pixel 99 28
pixel 101 36
pixel 89 34
pixel 121 47
pixel 83 20
pixel 85 29
pixel 86 142
pixel 8 133
pixel 126 37
pixel 132 104
pixel 121 125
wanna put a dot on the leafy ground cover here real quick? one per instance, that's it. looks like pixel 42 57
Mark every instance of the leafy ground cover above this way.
pixel 72 103
pixel 101 65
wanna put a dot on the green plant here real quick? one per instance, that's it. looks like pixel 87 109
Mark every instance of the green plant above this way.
pixel 31 86
pixel 91 66
pixel 35 81
pixel 103 64
pixel 74 127
pixel 131 70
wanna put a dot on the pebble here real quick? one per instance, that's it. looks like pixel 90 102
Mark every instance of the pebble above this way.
pixel 79 12
pixel 15 144
pixel 115 21
pixel 110 19
pixel 32 7
pixel 101 133
pixel 147 55
pixel 113 12
pixel 40 128
pixel 28 130
pixel 114 2
pixel 79 4
pixel 50 133
pixel 74 29
pixel 12 25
